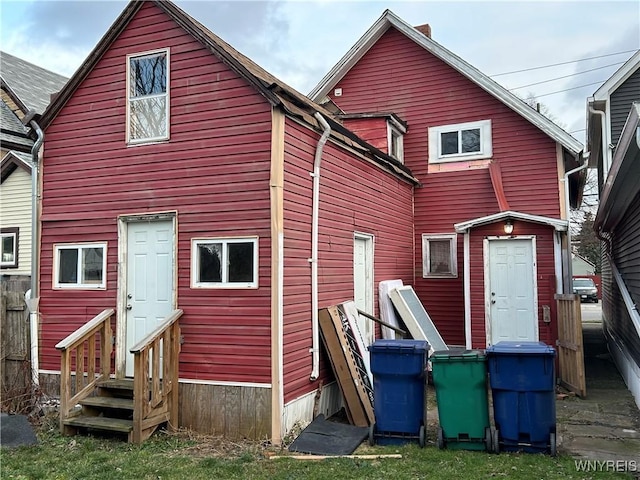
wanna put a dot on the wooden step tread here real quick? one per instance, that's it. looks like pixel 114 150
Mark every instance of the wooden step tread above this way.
pixel 117 384
pixel 108 402
pixel 101 423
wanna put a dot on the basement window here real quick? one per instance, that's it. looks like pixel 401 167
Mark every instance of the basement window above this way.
pixel 148 97
pixel 439 255
pixel 9 248
pixel 460 142
pixel 224 263
pixel 80 266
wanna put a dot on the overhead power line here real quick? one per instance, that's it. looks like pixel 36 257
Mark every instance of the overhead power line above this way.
pixel 567 89
pixel 562 63
pixel 567 76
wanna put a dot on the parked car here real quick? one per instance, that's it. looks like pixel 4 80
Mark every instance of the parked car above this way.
pixel 586 288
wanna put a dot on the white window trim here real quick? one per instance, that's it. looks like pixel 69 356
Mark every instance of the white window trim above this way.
pixel 453 239
pixel 79 286
pixel 391 130
pixel 142 141
pixel 10 232
pixel 225 240
pixel 435 146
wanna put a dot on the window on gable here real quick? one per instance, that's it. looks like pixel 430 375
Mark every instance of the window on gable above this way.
pixel 460 142
pixel 148 97
pixel 80 266
pixel 439 255
pixel 224 263
pixel 9 248
pixel 395 141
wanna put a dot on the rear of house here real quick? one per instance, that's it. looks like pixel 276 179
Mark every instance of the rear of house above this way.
pixel 484 159
pixel 179 174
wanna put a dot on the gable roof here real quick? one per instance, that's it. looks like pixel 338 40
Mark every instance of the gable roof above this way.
pixel 559 225
pixel 11 161
pixel 271 88
pixel 31 85
pixel 627 69
pixel 391 20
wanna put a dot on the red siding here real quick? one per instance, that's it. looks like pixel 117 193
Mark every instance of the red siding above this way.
pixel 355 196
pixel 396 75
pixel 373 130
pixel 214 172
pixel 545 277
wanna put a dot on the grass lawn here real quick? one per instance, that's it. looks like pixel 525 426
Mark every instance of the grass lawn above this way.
pixel 186 456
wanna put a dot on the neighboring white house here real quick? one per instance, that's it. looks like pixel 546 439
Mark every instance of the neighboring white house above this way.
pixel 581 266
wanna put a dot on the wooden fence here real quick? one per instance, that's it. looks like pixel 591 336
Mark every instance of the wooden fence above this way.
pixel 570 345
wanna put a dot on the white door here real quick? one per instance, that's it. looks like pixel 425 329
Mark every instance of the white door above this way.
pixel 512 291
pixel 363 283
pixel 149 289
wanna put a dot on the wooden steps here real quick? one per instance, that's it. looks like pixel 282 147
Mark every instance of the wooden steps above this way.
pixel 109 410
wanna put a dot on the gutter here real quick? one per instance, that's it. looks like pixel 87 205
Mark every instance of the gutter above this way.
pixel 315 331
pixel 32 297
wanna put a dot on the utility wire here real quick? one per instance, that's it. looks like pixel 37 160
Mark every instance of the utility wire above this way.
pixel 567 76
pixel 573 88
pixel 562 63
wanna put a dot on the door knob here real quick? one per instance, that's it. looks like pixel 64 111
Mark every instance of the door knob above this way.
pixel 129 307
pixel 492 302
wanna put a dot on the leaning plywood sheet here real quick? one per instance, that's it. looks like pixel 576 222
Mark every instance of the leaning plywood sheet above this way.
pixel 347 365
pixel 387 313
pixel 416 317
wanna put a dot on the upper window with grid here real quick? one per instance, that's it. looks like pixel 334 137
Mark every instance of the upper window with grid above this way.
pixel 148 97
pixel 460 142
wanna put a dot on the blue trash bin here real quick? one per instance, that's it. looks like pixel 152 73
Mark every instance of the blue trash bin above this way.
pixel 399 380
pixel 522 379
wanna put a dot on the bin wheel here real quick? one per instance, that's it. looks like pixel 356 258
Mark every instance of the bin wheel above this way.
pixel 422 436
pixel 488 439
pixel 552 445
pixel 372 440
pixel 496 440
pixel 440 438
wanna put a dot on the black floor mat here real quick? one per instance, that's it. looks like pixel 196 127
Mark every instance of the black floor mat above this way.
pixel 325 437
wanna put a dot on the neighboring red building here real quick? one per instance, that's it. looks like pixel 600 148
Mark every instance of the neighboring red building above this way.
pixel 179 174
pixel 484 158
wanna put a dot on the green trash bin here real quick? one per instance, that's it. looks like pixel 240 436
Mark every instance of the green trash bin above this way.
pixel 460 380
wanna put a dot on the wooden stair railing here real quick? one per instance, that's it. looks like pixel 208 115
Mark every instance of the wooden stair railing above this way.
pixel 79 346
pixel 155 379
pixel 134 407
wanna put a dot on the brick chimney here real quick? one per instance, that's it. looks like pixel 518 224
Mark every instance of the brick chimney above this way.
pixel 424 29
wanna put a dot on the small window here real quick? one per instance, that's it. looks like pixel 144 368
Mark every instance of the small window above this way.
pixel 9 248
pixel 148 97
pixel 460 142
pixel 224 263
pixel 396 143
pixel 439 255
pixel 80 266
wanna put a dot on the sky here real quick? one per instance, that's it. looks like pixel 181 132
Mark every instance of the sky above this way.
pixel 581 43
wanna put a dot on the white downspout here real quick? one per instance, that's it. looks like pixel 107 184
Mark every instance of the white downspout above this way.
pixel 32 297
pixel 315 333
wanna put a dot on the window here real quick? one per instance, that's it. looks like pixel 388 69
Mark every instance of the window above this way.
pixel 9 248
pixel 463 141
pixel 80 266
pixel 224 263
pixel 148 97
pixel 395 141
pixel 439 255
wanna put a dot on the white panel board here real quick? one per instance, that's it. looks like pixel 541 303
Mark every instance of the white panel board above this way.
pixel 416 317
pixel 387 312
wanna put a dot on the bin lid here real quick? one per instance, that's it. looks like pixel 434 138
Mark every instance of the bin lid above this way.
pixel 521 348
pixel 457 354
pixel 399 345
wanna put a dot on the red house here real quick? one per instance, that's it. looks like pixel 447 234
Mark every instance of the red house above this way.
pixel 495 182
pixel 179 179
pixel 183 184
